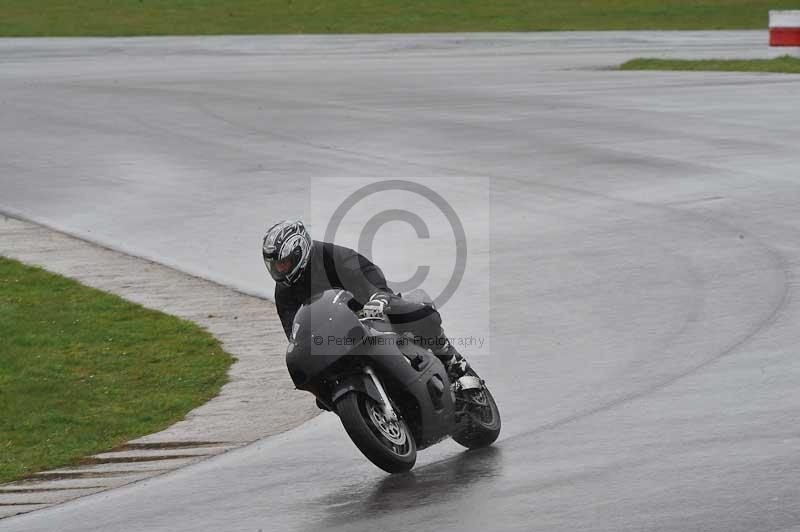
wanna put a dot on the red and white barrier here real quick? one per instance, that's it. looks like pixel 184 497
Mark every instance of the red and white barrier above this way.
pixel 784 31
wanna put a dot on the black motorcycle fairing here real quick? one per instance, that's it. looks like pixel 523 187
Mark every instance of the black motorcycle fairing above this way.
pixel 325 330
pixel 330 347
pixel 429 387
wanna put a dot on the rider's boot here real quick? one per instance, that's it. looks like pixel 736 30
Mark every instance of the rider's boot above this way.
pixel 454 362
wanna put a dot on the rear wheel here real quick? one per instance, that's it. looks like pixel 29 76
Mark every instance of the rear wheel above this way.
pixel 479 418
pixel 386 443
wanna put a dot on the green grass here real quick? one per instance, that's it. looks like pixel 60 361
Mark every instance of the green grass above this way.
pixel 82 371
pixel 182 17
pixel 784 64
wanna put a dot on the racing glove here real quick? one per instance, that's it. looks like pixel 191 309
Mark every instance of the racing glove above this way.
pixel 375 308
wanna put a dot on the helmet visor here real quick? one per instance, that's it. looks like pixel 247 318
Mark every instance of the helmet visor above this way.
pixel 279 269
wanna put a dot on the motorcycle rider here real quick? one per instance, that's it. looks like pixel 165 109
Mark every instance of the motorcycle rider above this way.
pixel 302 268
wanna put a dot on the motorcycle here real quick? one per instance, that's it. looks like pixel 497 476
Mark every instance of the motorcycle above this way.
pixel 392 395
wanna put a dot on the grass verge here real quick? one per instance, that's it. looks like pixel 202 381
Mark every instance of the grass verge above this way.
pixel 785 64
pixel 83 371
pixel 195 17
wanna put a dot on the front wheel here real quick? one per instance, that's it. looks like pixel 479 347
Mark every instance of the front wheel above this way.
pixel 387 444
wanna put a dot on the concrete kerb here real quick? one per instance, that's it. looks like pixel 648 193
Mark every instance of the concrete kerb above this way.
pixel 258 401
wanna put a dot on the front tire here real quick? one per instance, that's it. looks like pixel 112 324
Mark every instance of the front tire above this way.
pixel 387 444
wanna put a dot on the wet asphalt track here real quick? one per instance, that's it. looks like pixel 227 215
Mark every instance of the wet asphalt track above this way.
pixel 644 254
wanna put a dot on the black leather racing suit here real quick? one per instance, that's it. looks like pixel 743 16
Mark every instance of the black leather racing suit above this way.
pixel 332 266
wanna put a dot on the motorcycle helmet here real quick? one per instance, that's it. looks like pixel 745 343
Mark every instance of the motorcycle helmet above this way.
pixel 287 249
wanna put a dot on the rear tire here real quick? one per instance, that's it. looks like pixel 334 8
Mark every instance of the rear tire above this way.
pixel 388 445
pixel 479 425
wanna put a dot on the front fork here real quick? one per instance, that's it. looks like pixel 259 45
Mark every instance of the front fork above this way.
pixel 388 411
